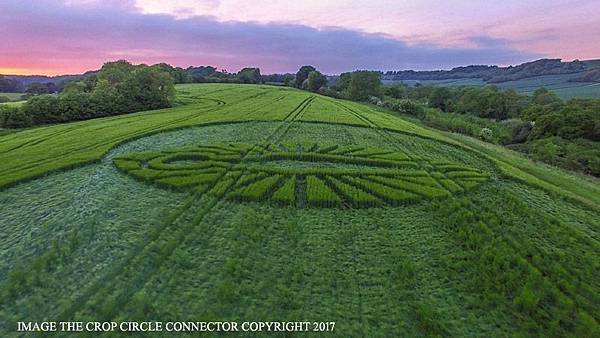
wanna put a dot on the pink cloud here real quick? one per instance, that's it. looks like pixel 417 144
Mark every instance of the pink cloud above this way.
pixel 47 36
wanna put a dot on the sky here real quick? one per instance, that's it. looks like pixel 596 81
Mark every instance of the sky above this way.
pixel 72 36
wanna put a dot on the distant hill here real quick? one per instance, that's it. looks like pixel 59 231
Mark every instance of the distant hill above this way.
pixel 19 83
pixel 495 74
pixel 26 80
pixel 576 79
pixel 592 75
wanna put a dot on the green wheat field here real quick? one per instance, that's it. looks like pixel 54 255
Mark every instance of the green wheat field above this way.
pixel 264 203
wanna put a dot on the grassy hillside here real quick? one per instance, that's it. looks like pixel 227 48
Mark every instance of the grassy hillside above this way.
pixel 267 203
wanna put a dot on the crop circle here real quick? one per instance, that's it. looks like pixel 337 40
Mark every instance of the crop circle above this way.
pixel 302 174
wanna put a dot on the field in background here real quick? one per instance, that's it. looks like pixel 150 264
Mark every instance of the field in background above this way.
pixel 16 99
pixel 558 84
pixel 12 96
pixel 252 202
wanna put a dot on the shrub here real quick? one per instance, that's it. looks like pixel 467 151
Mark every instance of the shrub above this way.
pixel 410 107
pixel 547 150
pixel 486 134
pixel 520 129
pixel 315 81
pixel 43 109
pixel 441 98
pixel 468 125
pixel 362 85
pixel 327 91
pixel 14 117
pixel 375 100
pixel 581 155
pixel 570 123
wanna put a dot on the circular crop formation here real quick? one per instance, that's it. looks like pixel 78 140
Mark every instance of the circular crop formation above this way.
pixel 302 174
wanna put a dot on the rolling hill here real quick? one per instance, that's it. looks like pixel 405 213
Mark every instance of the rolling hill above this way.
pixel 247 202
pixel 567 79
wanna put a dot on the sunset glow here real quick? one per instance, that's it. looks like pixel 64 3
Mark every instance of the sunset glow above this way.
pixel 55 37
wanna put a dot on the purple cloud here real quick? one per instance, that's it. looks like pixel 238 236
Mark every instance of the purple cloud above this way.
pixel 46 35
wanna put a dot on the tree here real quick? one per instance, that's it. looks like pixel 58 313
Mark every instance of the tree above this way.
pixel 104 99
pixel 288 80
pixel 316 80
pixel 569 123
pixel 515 103
pixel 544 97
pixel 76 87
pixel 37 89
pixel 440 98
pixel 397 91
pixel 343 82
pixel 178 74
pixel 14 117
pixel 302 75
pixel 43 109
pixel 487 102
pixel 115 72
pixel 146 88
pixel 249 75
pixel 75 106
pixel 364 84
pixel 199 74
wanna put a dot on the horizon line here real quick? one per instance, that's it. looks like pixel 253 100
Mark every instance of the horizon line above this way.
pixel 53 74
